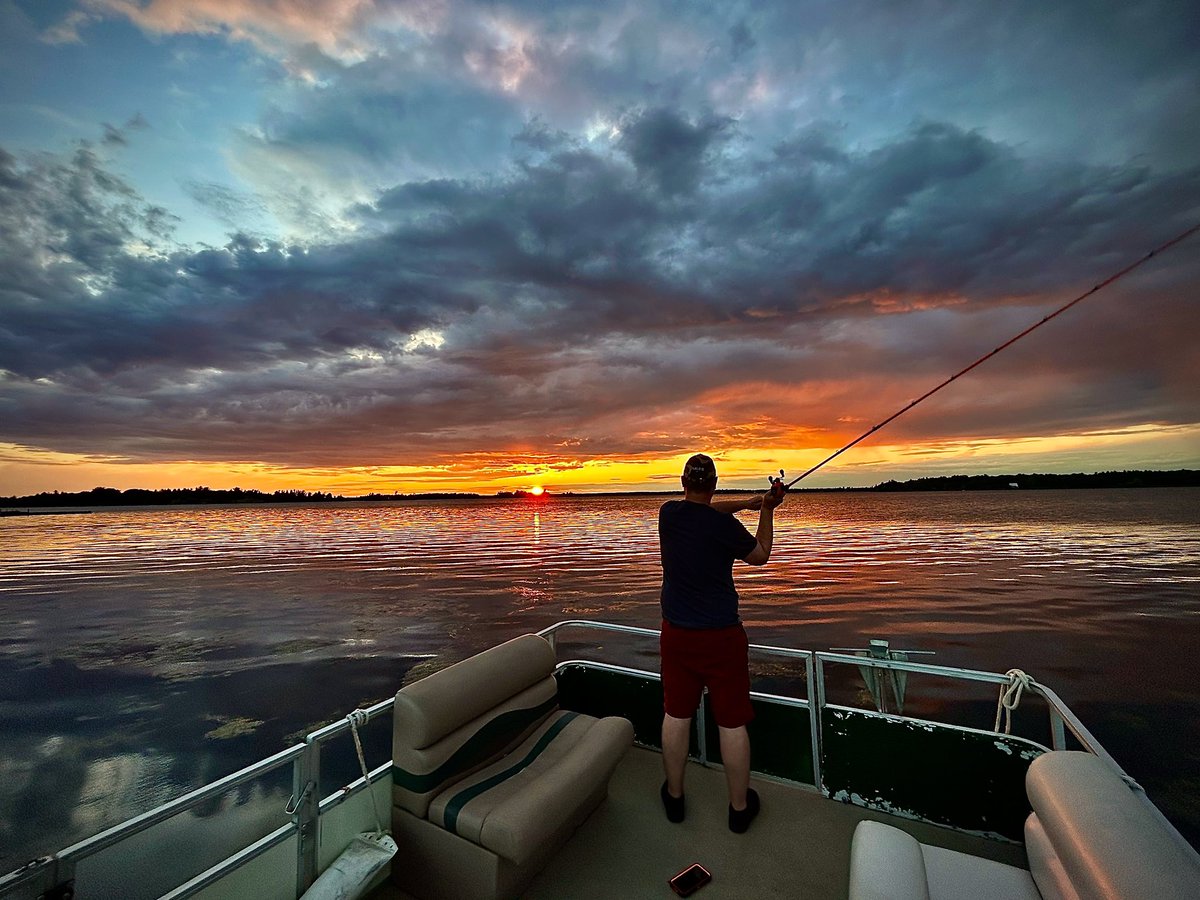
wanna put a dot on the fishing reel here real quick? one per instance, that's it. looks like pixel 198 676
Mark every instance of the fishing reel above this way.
pixel 778 488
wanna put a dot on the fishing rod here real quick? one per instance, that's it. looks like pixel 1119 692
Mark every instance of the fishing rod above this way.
pixel 777 483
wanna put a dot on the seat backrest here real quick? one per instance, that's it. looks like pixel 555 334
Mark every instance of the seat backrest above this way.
pixel 458 720
pixel 1107 840
pixel 885 862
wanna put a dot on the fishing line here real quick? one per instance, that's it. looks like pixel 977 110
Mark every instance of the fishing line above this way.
pixel 1062 309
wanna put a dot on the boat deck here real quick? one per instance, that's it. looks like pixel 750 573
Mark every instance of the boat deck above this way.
pixel 799 846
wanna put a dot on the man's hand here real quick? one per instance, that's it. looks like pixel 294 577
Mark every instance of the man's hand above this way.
pixel 773 497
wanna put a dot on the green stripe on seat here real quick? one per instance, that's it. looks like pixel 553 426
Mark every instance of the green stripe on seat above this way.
pixel 489 740
pixel 456 804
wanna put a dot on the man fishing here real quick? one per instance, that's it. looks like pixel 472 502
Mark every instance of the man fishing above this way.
pixel 703 643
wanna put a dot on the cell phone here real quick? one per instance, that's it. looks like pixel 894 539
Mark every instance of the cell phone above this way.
pixel 690 880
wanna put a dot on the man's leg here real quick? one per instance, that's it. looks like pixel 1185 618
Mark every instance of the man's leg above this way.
pixel 676 738
pixel 735 756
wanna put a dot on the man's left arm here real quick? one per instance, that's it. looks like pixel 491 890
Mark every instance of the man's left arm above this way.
pixel 733 506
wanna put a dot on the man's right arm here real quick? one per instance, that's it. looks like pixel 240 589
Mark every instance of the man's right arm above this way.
pixel 766 530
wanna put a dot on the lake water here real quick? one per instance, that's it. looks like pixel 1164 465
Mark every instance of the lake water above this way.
pixel 147 651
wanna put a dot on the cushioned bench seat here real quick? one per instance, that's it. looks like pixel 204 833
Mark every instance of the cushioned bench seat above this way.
pixel 888 864
pixel 515 805
pixel 1089 837
pixel 490 776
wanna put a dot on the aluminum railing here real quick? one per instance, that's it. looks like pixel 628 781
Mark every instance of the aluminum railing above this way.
pixel 1061 718
pixel 54 876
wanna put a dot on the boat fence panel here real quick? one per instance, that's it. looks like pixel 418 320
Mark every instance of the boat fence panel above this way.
pixel 266 871
pixel 183 846
pixel 970 780
pixel 948 774
pixel 344 816
pixel 780 735
pixel 780 732
pixel 601 690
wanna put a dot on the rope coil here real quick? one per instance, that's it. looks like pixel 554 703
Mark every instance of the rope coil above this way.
pixel 1010 698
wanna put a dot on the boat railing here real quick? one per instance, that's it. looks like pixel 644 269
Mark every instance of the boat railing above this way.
pixel 1061 719
pixel 54 875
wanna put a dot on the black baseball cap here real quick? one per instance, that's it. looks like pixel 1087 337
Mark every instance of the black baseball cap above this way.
pixel 700 471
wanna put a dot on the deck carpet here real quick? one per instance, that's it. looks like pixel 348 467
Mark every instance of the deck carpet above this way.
pixel 798 847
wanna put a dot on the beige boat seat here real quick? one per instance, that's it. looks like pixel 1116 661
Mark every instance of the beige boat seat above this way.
pixel 1089 837
pixel 489 776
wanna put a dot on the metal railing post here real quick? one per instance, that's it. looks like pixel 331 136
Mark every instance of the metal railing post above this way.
pixel 64 880
pixel 1058 737
pixel 815 676
pixel 306 776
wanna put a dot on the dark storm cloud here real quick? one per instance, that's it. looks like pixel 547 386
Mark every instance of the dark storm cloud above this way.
pixel 565 299
pixel 62 219
pixel 670 151
pixel 938 213
pixel 81 303
pixel 741 40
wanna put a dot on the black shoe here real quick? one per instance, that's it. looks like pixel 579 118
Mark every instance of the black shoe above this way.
pixel 673 805
pixel 740 819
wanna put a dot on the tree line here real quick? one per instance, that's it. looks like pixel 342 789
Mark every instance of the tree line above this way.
pixel 106 496
pixel 1134 479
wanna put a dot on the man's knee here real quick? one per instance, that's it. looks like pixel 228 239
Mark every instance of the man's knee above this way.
pixel 673 726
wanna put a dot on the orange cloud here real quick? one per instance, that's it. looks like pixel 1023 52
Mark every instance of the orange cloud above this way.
pixel 332 25
pixel 887 301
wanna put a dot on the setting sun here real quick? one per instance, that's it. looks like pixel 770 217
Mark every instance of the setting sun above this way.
pixel 537 490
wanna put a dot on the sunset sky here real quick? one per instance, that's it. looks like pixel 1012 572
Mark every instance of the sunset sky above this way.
pixel 364 245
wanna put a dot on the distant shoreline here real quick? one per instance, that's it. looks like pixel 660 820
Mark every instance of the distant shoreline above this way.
pixel 202 496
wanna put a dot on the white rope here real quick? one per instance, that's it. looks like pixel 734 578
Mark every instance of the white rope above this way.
pixel 357 719
pixel 1010 698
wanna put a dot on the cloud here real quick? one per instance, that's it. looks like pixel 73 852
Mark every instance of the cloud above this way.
pixel 1013 73
pixel 238 210
pixel 668 150
pixel 384 92
pixel 316 152
pixel 564 304
pixel 66 30
pixel 118 137
pixel 330 25
pixel 741 39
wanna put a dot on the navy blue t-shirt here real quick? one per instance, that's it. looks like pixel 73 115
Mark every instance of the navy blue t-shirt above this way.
pixel 699 545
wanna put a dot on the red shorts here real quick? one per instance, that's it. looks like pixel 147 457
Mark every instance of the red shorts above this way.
pixel 716 658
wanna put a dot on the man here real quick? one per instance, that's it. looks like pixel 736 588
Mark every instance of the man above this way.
pixel 703 642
